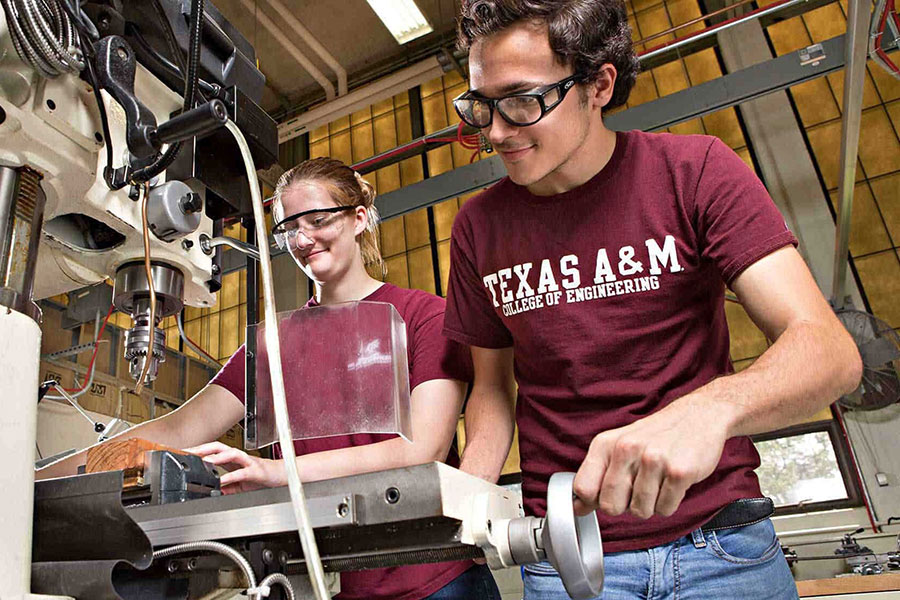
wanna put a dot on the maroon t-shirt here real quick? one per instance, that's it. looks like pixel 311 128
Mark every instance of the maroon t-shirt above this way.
pixel 431 356
pixel 611 295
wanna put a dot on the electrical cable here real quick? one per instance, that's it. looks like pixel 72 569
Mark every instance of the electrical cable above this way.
pixel 193 345
pixel 44 36
pixel 279 397
pixel 89 374
pixel 139 386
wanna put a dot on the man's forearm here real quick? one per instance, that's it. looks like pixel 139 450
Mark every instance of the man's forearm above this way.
pixel 805 370
pixel 490 423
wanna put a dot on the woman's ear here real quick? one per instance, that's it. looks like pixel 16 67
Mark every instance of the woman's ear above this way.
pixel 361 222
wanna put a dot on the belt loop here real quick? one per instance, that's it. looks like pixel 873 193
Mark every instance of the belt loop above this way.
pixel 698 538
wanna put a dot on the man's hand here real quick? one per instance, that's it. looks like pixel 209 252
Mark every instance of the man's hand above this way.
pixel 646 467
pixel 246 472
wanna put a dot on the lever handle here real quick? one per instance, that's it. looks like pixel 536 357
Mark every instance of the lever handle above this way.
pixel 572 544
pixel 116 66
pixel 193 123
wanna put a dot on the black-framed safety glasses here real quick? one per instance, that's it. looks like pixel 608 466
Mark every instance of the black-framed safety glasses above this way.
pixel 308 221
pixel 520 109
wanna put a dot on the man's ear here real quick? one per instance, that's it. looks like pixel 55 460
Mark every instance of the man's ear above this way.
pixel 600 90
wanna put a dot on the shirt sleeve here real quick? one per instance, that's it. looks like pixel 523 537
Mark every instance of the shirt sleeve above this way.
pixel 738 223
pixel 232 376
pixel 434 356
pixel 470 317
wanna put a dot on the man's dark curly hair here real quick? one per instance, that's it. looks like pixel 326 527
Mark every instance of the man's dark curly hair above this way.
pixel 585 33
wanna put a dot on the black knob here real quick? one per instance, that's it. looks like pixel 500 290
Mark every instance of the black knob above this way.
pixel 191 203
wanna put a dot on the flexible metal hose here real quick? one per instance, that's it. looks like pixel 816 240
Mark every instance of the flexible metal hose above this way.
pixel 44 36
pixel 217 547
pixel 281 579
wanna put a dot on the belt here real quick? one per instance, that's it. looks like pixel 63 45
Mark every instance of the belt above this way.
pixel 740 513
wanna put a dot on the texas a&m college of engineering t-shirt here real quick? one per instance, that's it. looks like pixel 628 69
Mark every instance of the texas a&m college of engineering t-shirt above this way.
pixel 612 297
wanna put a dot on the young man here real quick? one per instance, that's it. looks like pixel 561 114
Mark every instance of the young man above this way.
pixel 595 274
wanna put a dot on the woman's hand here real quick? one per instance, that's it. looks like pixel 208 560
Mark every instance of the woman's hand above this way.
pixel 246 472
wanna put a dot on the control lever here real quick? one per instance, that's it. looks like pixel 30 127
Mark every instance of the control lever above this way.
pixel 572 544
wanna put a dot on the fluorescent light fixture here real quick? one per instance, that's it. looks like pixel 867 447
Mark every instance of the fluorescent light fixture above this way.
pixel 402 18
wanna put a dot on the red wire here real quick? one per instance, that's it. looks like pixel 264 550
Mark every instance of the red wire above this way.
pixel 87 376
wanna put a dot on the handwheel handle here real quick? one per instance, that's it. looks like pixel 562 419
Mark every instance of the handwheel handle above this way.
pixel 573 544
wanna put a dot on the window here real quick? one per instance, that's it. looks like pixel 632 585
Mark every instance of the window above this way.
pixel 806 468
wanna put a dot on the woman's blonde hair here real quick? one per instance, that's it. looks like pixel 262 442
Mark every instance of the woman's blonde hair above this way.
pixel 347 188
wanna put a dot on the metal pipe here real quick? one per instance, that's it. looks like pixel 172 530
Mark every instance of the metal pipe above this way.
pixel 854 77
pixel 313 43
pixel 709 31
pixel 292 49
pixel 207 244
pixel 693 21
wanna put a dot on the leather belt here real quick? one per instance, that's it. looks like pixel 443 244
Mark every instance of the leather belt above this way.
pixel 740 513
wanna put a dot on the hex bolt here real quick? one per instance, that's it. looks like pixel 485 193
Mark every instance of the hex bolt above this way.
pixel 187 245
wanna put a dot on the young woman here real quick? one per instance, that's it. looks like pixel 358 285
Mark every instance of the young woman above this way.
pixel 326 218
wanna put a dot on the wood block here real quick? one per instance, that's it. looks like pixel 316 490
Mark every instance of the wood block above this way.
pixel 849 585
pixel 120 455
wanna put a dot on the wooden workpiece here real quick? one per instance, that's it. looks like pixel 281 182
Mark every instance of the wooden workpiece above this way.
pixel 122 455
pixel 849 585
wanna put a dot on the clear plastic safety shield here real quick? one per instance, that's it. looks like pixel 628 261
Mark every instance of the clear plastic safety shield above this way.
pixel 345 371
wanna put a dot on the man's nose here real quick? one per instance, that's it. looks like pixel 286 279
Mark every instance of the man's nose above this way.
pixel 499 130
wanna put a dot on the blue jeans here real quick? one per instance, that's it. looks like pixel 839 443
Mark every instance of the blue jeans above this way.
pixel 737 563
pixel 475 583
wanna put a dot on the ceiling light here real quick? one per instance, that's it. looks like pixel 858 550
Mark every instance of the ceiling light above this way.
pixel 402 18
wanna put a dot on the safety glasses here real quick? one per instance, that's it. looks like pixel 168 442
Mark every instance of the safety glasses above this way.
pixel 309 222
pixel 519 110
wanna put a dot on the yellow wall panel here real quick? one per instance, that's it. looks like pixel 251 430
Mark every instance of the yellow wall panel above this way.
pixel 870 95
pixel 879 148
pixel 172 338
pixel 653 21
pixel 670 78
pixel 416 228
pixel 338 125
pixel 362 141
pixel 744 153
pixel 401 99
pixel 229 325
pixel 320 149
pixel 826 143
pixel 888 86
pixel 397 272
pixel 440 160
pixel 724 125
pixel 867 232
pixel 694 126
pixel 887 193
pixel 702 66
pixel 340 147
pixel 788 36
pixel 393 237
pixel 318 133
pixel 880 276
pixel 815 102
pixel 360 116
pixel 192 330
pixel 213 333
pixel 386 179
pixel 453 78
pixel 434 112
pixel 444 263
pixel 644 89
pixel 444 213
pixel 421 270
pixel 433 86
pixel 385 132
pixel 411 170
pixel 682 11
pixel 230 294
pixel 404 125
pixel 747 341
pixel 825 23
pixel 383 107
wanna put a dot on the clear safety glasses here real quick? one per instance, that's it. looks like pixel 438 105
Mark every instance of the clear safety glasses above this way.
pixel 309 222
pixel 519 110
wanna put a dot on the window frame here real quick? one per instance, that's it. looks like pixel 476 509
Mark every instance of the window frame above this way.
pixel 842 455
